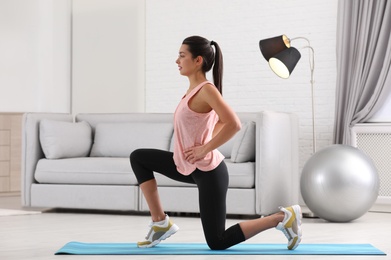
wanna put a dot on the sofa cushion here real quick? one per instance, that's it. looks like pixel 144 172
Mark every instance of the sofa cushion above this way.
pixel 120 139
pixel 243 149
pixel 88 170
pixel 65 139
pixel 117 171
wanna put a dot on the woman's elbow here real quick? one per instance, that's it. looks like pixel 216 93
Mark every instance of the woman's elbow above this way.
pixel 237 126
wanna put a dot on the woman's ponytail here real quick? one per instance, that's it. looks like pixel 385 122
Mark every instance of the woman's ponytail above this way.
pixel 218 68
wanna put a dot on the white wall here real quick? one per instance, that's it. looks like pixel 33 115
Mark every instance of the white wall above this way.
pixel 35 55
pixel 72 56
pixel 108 56
pixel 249 84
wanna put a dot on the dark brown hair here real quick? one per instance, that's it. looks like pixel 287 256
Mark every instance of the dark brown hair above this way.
pixel 199 46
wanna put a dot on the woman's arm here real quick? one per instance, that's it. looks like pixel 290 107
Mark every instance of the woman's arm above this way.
pixel 219 125
pixel 225 129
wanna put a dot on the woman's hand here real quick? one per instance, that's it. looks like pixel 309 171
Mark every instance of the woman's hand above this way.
pixel 195 153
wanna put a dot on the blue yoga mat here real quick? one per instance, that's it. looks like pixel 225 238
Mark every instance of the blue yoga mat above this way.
pixel 77 248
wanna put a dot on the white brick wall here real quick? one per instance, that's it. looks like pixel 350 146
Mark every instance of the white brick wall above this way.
pixel 248 84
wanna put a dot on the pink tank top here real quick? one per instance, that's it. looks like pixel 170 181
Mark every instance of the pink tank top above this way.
pixel 191 129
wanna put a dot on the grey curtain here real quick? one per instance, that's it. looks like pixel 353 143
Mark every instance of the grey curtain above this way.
pixel 363 62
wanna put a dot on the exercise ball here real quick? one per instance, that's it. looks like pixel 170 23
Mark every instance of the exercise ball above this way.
pixel 339 183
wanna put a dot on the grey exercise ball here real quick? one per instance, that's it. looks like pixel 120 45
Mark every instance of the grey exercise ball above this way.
pixel 339 183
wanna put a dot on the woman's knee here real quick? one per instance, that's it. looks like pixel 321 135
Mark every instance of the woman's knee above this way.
pixel 140 171
pixel 216 244
pixel 231 236
pixel 135 155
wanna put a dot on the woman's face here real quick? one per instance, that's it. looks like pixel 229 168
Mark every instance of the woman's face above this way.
pixel 185 61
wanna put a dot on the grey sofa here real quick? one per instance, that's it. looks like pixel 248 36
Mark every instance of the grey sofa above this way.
pixel 82 162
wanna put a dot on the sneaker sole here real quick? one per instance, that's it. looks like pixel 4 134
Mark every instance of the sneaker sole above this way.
pixel 173 229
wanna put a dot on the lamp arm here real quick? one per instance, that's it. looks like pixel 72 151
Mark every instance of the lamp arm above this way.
pixel 298 38
pixel 311 54
pixel 311 50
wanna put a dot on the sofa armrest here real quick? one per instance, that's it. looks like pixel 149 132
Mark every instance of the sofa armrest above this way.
pixel 31 148
pixel 277 159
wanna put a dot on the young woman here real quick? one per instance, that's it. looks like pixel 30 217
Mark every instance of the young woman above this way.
pixel 203 121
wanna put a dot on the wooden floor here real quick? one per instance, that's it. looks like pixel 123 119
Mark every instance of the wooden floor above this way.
pixel 38 236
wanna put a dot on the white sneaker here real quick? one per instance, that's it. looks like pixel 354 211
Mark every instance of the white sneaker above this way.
pixel 158 231
pixel 291 225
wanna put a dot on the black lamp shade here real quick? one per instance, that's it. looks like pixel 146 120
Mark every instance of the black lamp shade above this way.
pixel 284 62
pixel 271 46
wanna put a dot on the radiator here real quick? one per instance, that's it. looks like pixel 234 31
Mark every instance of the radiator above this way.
pixel 374 139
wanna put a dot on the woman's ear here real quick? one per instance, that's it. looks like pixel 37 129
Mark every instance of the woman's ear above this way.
pixel 199 60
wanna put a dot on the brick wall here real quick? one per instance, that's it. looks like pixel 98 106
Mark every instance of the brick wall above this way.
pixel 248 84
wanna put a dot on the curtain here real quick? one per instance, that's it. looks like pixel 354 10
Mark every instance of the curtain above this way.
pixel 363 63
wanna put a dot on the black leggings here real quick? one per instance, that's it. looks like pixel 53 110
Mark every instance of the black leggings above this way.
pixel 212 190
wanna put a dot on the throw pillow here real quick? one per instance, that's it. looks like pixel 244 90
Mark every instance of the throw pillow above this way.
pixel 120 139
pixel 226 148
pixel 61 139
pixel 243 149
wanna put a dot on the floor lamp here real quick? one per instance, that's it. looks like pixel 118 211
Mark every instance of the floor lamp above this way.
pixel 282 58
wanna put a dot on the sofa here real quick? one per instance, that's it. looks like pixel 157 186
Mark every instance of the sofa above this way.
pixel 82 162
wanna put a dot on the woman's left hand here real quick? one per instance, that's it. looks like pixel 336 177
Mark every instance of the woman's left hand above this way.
pixel 194 153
